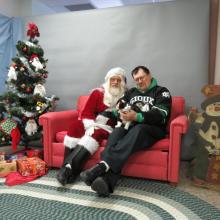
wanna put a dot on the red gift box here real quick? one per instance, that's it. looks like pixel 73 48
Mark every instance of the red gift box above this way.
pixel 30 166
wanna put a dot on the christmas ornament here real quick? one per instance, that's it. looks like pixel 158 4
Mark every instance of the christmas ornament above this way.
pixel 28 90
pixel 23 86
pixel 34 60
pixel 25 49
pixel 24 118
pixel 30 44
pixel 41 107
pixel 22 69
pixel 31 127
pixel 12 73
pixel 10 127
pixel 33 30
pixel 27 114
pixel 40 89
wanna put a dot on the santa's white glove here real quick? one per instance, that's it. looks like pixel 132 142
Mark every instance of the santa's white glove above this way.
pixel 89 126
pixel 90 131
pixel 101 119
pixel 88 123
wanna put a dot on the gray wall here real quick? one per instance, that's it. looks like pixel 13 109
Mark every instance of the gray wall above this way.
pixel 171 38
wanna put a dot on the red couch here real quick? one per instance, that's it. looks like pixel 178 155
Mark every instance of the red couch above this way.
pixel 161 162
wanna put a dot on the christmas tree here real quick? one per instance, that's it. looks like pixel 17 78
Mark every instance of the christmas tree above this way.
pixel 25 99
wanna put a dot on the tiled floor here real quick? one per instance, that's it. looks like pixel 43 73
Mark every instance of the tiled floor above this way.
pixel 209 195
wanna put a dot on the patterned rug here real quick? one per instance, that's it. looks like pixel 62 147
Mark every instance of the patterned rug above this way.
pixel 140 199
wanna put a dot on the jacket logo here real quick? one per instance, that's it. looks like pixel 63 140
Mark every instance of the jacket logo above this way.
pixel 144 99
pixel 166 94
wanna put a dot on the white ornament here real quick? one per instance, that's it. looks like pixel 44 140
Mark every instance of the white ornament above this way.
pixel 37 64
pixel 40 89
pixel 28 114
pixel 30 44
pixel 31 127
pixel 12 74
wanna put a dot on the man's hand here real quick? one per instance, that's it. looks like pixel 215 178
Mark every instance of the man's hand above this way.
pixel 128 115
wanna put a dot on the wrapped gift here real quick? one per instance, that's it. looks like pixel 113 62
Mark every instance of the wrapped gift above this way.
pixel 2 156
pixel 16 156
pixel 213 174
pixel 30 166
pixel 7 166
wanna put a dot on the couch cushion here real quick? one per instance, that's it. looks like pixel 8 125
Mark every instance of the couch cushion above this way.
pixel 162 144
pixel 60 136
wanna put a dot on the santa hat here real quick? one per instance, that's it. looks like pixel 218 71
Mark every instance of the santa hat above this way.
pixel 117 71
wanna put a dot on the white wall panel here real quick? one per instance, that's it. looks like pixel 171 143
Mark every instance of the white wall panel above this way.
pixel 171 38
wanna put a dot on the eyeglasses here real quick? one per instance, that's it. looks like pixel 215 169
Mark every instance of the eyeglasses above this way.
pixel 141 78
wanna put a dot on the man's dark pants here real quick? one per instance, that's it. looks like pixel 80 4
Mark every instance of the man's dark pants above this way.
pixel 122 143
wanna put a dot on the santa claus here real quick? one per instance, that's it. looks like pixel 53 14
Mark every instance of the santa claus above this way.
pixel 95 123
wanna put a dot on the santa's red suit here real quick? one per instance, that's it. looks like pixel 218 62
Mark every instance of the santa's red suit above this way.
pixel 85 134
pixel 91 128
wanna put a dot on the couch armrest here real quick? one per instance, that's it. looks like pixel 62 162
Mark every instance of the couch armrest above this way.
pixel 52 123
pixel 178 127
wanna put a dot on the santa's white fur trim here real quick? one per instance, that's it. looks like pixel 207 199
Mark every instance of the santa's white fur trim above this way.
pixel 117 71
pixel 89 143
pixel 70 142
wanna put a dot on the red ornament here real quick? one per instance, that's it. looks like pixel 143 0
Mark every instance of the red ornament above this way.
pixel 25 49
pixel 28 90
pixel 33 30
pixel 14 65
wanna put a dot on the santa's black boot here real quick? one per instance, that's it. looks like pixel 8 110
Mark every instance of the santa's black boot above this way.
pixel 88 176
pixel 64 173
pixel 81 154
pixel 73 164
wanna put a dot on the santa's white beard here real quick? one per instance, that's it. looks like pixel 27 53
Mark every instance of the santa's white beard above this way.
pixel 112 94
pixel 114 91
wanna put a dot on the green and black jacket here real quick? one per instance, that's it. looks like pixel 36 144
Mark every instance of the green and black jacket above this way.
pixel 155 104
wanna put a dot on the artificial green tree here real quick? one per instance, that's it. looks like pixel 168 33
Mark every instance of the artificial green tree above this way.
pixel 25 99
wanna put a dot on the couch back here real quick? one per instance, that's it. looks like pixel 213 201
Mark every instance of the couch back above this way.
pixel 81 103
pixel 178 106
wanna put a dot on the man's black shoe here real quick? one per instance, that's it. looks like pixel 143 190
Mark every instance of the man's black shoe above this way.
pixel 100 186
pixel 88 176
